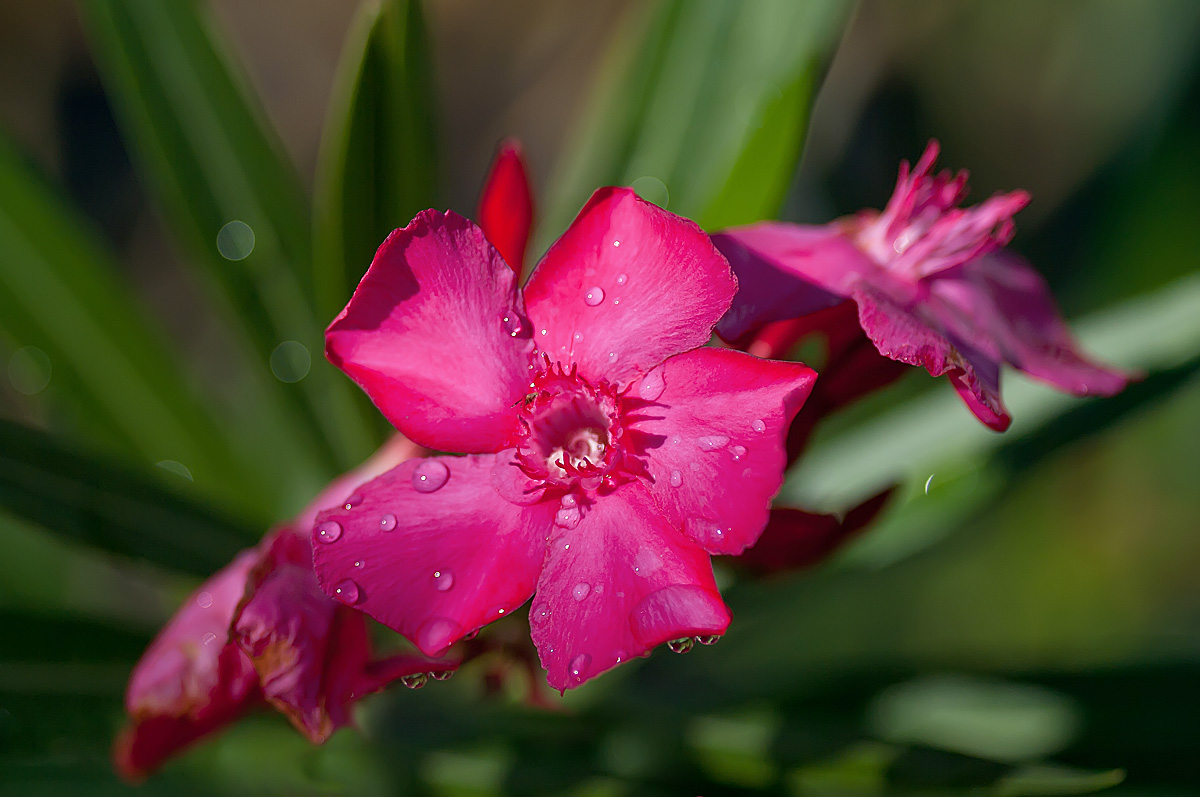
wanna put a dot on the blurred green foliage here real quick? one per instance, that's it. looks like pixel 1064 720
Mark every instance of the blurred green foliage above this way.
pixel 1024 621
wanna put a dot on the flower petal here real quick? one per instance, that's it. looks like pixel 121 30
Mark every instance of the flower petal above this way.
pixel 436 337
pixel 1001 299
pixel 621 582
pixel 785 271
pixel 913 336
pixel 712 428
pixel 506 205
pixel 795 539
pixel 397 449
pixel 626 286
pixel 432 550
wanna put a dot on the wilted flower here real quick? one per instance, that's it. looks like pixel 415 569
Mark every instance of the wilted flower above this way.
pixel 929 283
pixel 260 630
pixel 609 456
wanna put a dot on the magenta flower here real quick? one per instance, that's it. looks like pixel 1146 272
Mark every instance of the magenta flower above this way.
pixel 260 630
pixel 930 285
pixel 609 456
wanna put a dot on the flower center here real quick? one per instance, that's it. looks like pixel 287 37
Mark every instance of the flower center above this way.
pixel 569 429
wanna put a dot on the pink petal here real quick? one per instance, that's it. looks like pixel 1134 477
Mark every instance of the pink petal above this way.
pixel 436 337
pixel 626 286
pixel 191 681
pixel 786 271
pixel 182 670
pixel 433 563
pixel 397 449
pixel 506 205
pixel 896 318
pixel 713 440
pixel 1002 299
pixel 796 540
pixel 620 583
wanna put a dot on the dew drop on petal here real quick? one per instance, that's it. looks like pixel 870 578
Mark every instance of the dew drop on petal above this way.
pixel 436 634
pixel 616 243
pixel 612 356
pixel 387 522
pixel 512 324
pixel 569 500
pixel 443 580
pixel 352 502
pixel 738 452
pixel 676 439
pixel 594 296
pixel 359 563
pixel 442 675
pixel 622 279
pixel 681 645
pixel 581 591
pixel 567 518
pixel 414 680
pixel 539 614
pixel 646 562
pixel 329 531
pixel 676 478
pixel 577 337
pixel 759 425
pixel 707 532
pixel 347 592
pixel 430 475
pixel 711 639
pixel 712 442
pixel 204 600
pixel 621 656
pixel 652 385
pixel 209 638
pixel 579 664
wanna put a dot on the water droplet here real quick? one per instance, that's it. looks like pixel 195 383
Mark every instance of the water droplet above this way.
pixel 646 562
pixel 900 244
pixel 712 442
pixel 512 324
pixel 612 356
pixel 622 279
pixel 352 502
pixel 500 611
pixel 436 634
pixel 578 336
pixel 738 452
pixel 581 591
pixel 204 600
pixel 621 656
pixel 544 332
pixel 711 639
pixel 430 475
pixel 695 466
pixel 414 680
pixel 594 296
pixel 387 522
pixel 567 518
pixel 442 675
pixel 579 664
pixel 616 243
pixel 443 580
pixel 569 500
pixel 759 425
pixel 471 635
pixel 652 385
pixel 329 531
pixel 708 533
pixel 209 638
pixel 347 592
pixel 681 645
pixel 359 563
pixel 539 614
pixel 676 439
pixel 676 478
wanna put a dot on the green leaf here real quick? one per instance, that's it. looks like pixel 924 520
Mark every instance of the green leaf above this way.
pixel 211 159
pixel 711 98
pixel 98 354
pixel 105 505
pixel 377 165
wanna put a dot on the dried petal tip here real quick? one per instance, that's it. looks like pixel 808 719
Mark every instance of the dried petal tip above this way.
pixel 923 231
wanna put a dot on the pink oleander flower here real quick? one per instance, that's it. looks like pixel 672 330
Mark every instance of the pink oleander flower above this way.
pixel 608 455
pixel 930 283
pixel 506 205
pixel 259 631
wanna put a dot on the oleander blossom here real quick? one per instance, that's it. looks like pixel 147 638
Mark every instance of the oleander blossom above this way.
pixel 607 454
pixel 931 285
pixel 260 632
